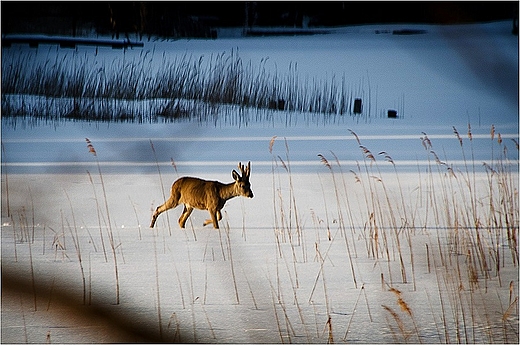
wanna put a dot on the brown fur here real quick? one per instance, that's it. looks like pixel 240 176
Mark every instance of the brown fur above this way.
pixel 205 195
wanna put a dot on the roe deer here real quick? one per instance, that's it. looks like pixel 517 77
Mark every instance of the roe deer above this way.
pixel 205 195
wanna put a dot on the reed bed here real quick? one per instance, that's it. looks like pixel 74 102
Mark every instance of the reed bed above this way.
pixel 339 272
pixel 148 88
pixel 471 212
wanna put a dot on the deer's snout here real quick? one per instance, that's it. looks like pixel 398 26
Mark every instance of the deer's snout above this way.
pixel 250 194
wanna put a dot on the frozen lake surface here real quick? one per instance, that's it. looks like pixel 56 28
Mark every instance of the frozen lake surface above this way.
pixel 399 232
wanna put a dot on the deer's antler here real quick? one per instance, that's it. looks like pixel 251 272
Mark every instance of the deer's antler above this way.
pixel 245 170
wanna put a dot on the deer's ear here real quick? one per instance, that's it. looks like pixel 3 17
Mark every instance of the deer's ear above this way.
pixel 235 175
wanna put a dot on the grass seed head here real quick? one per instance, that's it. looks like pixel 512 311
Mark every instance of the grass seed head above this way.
pixel 90 147
pixel 387 157
pixel 271 144
pixel 356 177
pixel 404 306
pixel 458 135
pixel 426 142
pixel 324 161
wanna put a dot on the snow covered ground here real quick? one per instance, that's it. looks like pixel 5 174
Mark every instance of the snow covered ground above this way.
pixel 361 252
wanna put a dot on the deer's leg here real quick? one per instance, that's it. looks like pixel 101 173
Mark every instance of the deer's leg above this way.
pixel 170 203
pixel 184 216
pixel 215 217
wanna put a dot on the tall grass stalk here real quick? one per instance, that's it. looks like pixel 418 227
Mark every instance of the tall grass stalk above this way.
pixel 6 191
pixel 98 210
pixel 180 284
pixel 289 224
pixel 330 338
pixel 281 227
pixel 250 288
pixel 230 254
pixel 277 227
pixel 326 294
pixel 110 232
pixel 393 224
pixel 293 200
pixel 406 224
pixel 321 259
pixel 33 282
pixel 24 321
pixel 136 217
pixel 176 335
pixel 292 221
pixel 347 203
pixel 89 280
pixel 353 312
pixel 162 184
pixel 75 240
pixel 317 221
pixel 376 214
pixel 207 318
pixel 157 288
pixel 14 240
pixel 373 243
pixel 295 287
pixel 192 295
pixel 279 301
pixel 340 217
pixel 277 318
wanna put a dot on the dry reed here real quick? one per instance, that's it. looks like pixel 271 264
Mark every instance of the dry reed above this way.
pixel 75 240
pixel 230 255
pixel 126 89
pixel 113 245
pixel 157 286
pixel 98 210
pixel 162 184
pixel 340 217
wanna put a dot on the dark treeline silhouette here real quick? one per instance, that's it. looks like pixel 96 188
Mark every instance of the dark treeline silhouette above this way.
pixel 200 19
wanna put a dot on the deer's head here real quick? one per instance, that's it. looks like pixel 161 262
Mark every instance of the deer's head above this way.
pixel 242 185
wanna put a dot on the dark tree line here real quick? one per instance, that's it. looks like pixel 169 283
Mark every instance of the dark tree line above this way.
pixel 199 19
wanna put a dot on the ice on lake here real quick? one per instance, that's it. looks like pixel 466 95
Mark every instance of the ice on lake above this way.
pixel 373 231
